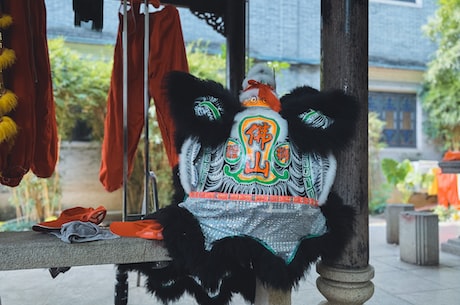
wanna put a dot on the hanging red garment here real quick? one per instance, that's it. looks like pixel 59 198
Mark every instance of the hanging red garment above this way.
pixel 166 53
pixel 35 146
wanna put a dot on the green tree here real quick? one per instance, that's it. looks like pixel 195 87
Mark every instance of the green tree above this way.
pixel 204 65
pixel 441 91
pixel 80 86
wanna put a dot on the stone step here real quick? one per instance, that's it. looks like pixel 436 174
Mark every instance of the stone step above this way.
pixel 452 246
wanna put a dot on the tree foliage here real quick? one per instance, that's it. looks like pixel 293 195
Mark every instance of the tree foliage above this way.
pixel 378 191
pixel 81 83
pixel 205 65
pixel 80 86
pixel 441 92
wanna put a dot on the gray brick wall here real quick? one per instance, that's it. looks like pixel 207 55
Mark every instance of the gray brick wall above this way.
pixel 60 22
pixel 290 30
pixel 286 30
pixel 395 34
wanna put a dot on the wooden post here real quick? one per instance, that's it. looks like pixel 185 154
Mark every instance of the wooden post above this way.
pixel 344 65
pixel 235 31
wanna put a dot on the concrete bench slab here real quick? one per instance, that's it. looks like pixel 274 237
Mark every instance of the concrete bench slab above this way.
pixel 31 250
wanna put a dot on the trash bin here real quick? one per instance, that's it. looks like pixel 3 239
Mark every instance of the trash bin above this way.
pixel 419 238
pixel 392 212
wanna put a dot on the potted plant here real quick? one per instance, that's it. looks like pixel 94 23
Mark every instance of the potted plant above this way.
pixel 409 182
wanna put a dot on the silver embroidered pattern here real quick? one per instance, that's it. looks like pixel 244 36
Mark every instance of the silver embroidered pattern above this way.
pixel 316 119
pixel 279 226
pixel 214 175
pixel 190 164
pixel 208 106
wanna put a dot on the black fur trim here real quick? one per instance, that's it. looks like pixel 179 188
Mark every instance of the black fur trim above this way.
pixel 342 108
pixel 192 270
pixel 234 263
pixel 182 89
pixel 182 236
pixel 340 220
pixel 168 284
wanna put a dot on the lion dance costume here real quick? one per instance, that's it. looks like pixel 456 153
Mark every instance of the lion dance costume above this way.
pixel 257 173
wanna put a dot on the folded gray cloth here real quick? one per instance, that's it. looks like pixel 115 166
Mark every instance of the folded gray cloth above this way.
pixel 78 232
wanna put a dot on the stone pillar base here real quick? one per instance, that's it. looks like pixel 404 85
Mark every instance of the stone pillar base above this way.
pixel 345 286
pixel 269 296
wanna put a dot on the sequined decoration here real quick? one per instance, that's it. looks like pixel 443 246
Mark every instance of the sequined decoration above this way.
pixel 279 226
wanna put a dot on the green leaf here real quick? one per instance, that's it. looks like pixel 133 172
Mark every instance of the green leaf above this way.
pixel 441 93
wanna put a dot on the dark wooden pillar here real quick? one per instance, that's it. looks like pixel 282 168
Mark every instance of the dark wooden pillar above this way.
pixel 235 30
pixel 344 64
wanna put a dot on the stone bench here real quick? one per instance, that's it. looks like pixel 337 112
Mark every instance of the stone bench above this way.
pixel 33 250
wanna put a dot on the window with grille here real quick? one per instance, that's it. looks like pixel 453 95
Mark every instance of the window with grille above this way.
pixel 398 111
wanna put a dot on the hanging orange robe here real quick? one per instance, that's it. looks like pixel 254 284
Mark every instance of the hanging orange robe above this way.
pixel 166 53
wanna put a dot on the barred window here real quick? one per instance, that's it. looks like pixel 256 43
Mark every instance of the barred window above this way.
pixel 398 111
